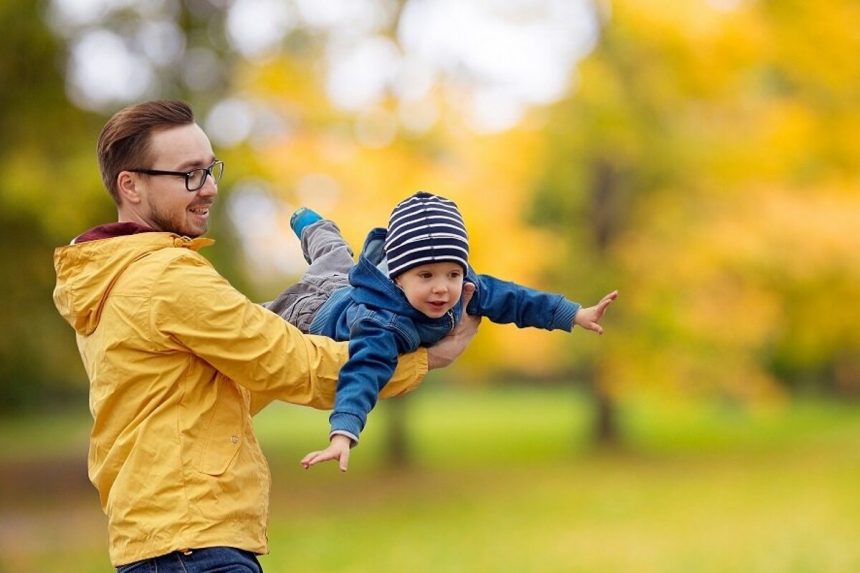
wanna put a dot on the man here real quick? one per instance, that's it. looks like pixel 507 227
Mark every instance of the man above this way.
pixel 179 361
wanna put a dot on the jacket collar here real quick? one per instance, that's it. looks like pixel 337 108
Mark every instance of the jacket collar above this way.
pixel 112 230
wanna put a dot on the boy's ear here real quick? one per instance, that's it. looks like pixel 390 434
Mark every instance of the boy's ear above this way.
pixel 126 183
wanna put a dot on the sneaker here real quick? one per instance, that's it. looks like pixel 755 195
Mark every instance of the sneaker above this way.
pixel 302 218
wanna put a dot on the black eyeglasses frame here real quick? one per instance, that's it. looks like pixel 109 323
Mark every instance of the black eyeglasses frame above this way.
pixel 188 174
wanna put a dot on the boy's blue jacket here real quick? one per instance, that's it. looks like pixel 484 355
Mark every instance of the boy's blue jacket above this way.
pixel 374 315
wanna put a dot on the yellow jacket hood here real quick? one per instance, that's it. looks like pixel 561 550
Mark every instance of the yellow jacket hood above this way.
pixel 86 271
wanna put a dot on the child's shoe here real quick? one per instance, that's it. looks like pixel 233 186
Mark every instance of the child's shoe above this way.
pixel 302 218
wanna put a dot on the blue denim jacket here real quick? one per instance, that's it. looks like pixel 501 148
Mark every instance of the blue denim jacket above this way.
pixel 374 315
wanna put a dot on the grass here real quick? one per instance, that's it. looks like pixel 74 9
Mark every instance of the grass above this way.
pixel 50 435
pixel 505 480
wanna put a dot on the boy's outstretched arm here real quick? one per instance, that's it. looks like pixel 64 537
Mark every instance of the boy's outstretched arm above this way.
pixel 589 318
pixel 440 355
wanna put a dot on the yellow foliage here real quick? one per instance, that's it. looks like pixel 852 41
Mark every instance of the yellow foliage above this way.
pixel 321 163
pixel 740 120
pixel 709 309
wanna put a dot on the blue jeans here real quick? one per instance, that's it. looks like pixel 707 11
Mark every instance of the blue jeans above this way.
pixel 208 560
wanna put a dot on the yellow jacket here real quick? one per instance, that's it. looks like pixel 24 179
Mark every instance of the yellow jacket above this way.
pixel 178 362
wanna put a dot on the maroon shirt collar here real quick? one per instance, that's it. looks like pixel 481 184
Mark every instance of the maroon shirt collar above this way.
pixel 111 230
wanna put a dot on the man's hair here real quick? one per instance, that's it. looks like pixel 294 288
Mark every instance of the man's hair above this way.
pixel 124 141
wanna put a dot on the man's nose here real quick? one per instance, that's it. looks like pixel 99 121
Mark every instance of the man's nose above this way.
pixel 210 188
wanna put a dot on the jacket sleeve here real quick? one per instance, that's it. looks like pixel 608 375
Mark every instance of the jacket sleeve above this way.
pixel 506 302
pixel 372 360
pixel 200 313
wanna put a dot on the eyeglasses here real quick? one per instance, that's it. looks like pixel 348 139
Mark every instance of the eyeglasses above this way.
pixel 194 179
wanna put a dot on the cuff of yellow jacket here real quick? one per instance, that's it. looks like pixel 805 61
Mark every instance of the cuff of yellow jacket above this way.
pixel 411 370
pixel 422 362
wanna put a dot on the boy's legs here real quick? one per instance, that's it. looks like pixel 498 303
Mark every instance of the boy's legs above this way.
pixel 330 259
pixel 325 249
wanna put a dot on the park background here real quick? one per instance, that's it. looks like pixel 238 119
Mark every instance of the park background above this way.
pixel 699 156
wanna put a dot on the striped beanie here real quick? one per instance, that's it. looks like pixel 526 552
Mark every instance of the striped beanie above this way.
pixel 425 228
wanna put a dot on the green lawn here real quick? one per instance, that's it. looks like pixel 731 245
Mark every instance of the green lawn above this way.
pixel 504 480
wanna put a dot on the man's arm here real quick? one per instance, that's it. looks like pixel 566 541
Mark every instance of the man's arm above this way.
pixel 409 366
pixel 198 311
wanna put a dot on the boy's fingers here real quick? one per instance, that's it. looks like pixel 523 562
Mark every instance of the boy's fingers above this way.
pixel 314 458
pixel 606 301
pixel 344 461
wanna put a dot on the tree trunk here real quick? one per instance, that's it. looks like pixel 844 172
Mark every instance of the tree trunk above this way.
pixel 605 222
pixel 397 450
pixel 605 431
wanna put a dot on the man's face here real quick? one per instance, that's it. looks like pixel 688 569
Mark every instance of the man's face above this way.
pixel 166 204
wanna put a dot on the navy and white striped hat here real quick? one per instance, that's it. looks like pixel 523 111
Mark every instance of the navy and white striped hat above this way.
pixel 425 228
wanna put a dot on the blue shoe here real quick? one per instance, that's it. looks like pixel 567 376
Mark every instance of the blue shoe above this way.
pixel 302 218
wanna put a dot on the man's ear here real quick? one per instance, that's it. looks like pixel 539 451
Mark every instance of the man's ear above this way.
pixel 126 183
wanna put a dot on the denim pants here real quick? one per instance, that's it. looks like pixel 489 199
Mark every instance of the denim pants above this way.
pixel 330 259
pixel 208 560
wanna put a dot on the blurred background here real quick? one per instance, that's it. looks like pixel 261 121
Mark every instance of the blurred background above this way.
pixel 699 156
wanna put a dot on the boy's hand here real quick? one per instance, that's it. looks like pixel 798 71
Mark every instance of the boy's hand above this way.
pixel 589 318
pixel 338 450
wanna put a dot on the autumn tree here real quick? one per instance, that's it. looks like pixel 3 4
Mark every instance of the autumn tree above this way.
pixel 701 167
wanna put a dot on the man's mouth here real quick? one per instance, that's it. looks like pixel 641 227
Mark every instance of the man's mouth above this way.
pixel 201 210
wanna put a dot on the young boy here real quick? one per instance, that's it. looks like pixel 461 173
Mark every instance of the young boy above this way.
pixel 404 292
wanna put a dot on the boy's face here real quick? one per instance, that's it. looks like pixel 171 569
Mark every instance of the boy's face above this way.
pixel 433 288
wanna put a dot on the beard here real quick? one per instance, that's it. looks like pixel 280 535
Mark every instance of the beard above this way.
pixel 177 223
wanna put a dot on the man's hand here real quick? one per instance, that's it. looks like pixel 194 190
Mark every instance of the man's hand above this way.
pixel 338 450
pixel 589 318
pixel 449 348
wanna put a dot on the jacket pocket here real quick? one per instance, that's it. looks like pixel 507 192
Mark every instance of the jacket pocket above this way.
pixel 223 434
